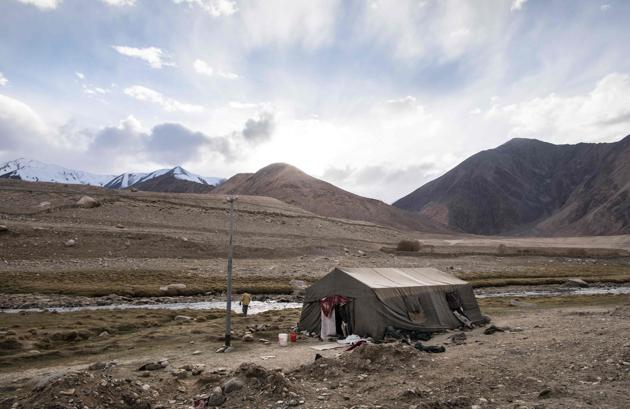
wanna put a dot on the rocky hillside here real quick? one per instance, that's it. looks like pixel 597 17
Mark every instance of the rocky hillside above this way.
pixel 529 186
pixel 291 185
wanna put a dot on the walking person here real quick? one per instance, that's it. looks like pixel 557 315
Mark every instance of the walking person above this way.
pixel 245 300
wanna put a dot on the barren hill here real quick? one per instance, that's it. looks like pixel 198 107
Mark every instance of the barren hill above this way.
pixel 530 186
pixel 291 185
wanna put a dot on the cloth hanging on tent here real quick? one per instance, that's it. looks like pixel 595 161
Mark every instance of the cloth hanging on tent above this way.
pixel 329 326
pixel 328 303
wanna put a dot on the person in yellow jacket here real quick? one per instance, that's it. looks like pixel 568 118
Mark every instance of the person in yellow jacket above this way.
pixel 245 300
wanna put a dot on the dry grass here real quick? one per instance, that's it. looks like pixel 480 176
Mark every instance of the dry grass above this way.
pixel 74 336
pixel 501 305
pixel 134 283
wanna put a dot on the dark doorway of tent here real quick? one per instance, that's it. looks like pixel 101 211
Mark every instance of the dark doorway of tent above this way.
pixel 336 315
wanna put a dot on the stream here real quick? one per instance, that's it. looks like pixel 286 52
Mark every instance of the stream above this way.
pixel 256 307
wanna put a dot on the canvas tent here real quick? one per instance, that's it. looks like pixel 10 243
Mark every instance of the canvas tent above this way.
pixel 420 299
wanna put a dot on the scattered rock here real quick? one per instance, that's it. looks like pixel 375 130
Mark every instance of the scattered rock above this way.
pixel 173 289
pixel 104 334
pixel 182 318
pixel 233 384
pixel 88 202
pixel 70 243
pixel 68 392
pixel 248 337
pixel 154 366
pixel 3 228
pixel 493 328
pixel 576 283
pixel 216 397
pixel 120 226
pixel 459 338
pixel 97 366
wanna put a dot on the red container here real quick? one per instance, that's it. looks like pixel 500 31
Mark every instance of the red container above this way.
pixel 293 336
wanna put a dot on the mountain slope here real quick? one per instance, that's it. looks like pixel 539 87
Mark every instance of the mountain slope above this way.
pixel 176 180
pixel 35 171
pixel 530 186
pixel 289 184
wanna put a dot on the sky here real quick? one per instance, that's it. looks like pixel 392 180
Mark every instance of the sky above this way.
pixel 375 96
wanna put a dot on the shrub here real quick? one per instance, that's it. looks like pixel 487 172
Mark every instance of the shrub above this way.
pixel 408 245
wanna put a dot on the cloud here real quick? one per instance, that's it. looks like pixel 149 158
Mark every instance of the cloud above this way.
pixel 168 104
pixel 604 7
pixel 407 104
pixel 394 182
pixel 310 24
pixel 3 80
pixel 43 4
pixel 601 114
pixel 79 75
pixel 202 67
pixel 259 129
pixel 19 124
pixel 153 56
pixel 215 8
pixel 517 5
pixel 120 2
pixel 411 29
pixel 127 136
pixel 168 143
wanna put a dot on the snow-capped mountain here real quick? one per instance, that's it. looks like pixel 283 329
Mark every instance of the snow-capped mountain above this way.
pixel 125 180
pixel 35 171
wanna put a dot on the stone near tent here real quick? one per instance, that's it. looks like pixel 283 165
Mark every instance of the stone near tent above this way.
pixel 44 206
pixel 216 397
pixel 576 283
pixel 173 289
pixel 88 202
pixel 233 384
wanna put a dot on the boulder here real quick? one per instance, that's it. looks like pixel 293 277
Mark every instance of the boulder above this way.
pixel 88 202
pixel 233 384
pixel 173 289
pixel 70 243
pixel 216 397
pixel 576 283
pixel 3 228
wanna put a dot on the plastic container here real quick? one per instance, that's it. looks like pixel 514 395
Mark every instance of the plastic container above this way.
pixel 293 336
pixel 283 339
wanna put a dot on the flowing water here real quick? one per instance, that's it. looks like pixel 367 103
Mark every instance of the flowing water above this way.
pixel 555 292
pixel 255 307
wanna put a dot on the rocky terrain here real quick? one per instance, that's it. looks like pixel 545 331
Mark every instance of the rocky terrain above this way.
pixel 527 186
pixel 76 245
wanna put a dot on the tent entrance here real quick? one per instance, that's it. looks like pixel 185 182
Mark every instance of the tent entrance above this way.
pixel 337 313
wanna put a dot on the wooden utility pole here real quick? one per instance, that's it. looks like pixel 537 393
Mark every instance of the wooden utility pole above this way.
pixel 228 311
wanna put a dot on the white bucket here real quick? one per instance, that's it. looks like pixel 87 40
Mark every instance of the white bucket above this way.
pixel 283 339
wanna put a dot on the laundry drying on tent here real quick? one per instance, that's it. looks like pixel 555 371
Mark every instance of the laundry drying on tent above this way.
pixel 366 301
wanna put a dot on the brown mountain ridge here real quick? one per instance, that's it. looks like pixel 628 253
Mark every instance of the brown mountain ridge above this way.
pixel 527 186
pixel 289 184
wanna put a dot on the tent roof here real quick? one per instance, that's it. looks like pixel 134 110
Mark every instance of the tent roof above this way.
pixel 401 277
